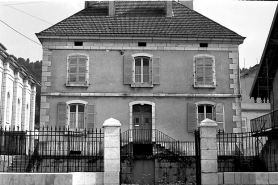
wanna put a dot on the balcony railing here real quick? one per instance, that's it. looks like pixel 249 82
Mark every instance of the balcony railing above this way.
pixel 265 123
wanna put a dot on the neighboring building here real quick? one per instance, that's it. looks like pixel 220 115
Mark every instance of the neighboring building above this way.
pixel 265 85
pixel 250 109
pixel 18 94
pixel 149 64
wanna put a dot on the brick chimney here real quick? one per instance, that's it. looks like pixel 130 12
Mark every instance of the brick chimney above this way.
pixel 168 8
pixel 187 3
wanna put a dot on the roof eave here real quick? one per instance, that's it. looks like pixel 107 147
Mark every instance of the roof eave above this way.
pixel 237 40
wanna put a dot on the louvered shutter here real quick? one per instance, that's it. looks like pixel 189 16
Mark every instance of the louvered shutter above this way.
pixel 191 117
pixel 199 71
pixel 62 114
pixel 208 74
pixel 72 69
pixel 220 116
pixel 155 71
pixel 82 69
pixel 128 60
pixel 90 116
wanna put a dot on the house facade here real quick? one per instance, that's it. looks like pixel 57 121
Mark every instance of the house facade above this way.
pixel 149 64
pixel 18 94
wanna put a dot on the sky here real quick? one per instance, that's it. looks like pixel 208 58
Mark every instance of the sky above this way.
pixel 250 19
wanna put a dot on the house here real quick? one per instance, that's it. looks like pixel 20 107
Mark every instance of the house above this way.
pixel 250 109
pixel 265 84
pixel 17 108
pixel 156 65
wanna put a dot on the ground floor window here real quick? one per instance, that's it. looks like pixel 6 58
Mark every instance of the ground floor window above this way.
pixel 77 116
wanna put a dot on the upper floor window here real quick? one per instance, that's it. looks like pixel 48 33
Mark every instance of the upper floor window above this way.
pixel 204 71
pixel 76 115
pixel 197 112
pixel 78 70
pixel 141 70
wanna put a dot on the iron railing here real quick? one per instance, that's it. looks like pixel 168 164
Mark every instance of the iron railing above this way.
pixel 161 143
pixel 265 122
pixel 241 152
pixel 51 150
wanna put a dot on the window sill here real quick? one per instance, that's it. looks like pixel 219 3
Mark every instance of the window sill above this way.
pixel 205 86
pixel 141 85
pixel 76 85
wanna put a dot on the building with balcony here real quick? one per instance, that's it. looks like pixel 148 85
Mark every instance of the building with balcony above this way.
pixel 265 85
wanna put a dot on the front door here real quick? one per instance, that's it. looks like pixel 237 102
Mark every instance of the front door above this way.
pixel 142 123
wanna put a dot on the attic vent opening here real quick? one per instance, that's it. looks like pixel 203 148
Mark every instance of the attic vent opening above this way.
pixel 142 44
pixel 78 43
pixel 203 45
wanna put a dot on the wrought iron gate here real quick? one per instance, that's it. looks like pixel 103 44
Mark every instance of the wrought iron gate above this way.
pixel 198 157
pixel 163 160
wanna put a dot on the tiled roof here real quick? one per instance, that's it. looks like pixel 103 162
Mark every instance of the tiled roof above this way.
pixel 139 19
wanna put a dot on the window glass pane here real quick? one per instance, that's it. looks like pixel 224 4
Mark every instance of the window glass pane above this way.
pixel 72 120
pixel 80 120
pixel 146 78
pixel 201 109
pixel 81 108
pixel 201 117
pixel 138 70
pixel 72 108
pixel 209 112
pixel 208 108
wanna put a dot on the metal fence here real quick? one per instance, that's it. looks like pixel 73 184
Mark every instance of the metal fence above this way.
pixel 243 152
pixel 51 150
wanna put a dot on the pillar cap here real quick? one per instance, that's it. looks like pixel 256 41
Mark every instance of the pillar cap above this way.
pixel 111 122
pixel 208 123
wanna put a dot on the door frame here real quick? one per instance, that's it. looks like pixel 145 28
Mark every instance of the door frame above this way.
pixel 131 117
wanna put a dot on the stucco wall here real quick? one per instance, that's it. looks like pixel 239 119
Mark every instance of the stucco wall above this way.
pixel 106 72
pixel 170 113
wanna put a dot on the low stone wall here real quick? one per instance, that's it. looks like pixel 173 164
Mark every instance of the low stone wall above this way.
pixel 248 178
pixel 80 178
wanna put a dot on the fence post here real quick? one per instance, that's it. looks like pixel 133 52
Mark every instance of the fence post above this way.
pixel 208 145
pixel 111 151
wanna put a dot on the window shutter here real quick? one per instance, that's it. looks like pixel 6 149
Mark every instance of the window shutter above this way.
pixel 199 71
pixel 62 114
pixel 128 60
pixel 191 117
pixel 155 71
pixel 220 116
pixel 90 117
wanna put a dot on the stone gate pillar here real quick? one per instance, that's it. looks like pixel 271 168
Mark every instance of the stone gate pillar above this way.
pixel 111 151
pixel 208 145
